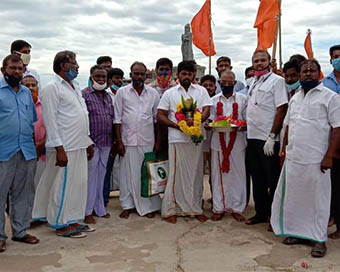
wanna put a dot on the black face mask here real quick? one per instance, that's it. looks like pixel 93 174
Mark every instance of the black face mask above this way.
pixel 138 83
pixel 227 89
pixel 186 83
pixel 12 81
pixel 308 85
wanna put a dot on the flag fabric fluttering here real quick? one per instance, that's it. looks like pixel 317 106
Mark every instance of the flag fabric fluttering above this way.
pixel 266 23
pixel 309 49
pixel 308 45
pixel 201 30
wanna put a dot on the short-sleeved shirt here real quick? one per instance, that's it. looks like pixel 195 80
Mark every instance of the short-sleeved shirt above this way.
pixel 241 100
pixel 310 118
pixel 100 116
pixel 136 114
pixel 17 118
pixel 265 95
pixel 332 83
pixel 172 97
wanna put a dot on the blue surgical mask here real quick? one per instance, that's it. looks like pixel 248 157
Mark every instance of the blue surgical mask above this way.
pixel 227 89
pixel 71 74
pixel 308 85
pixel 114 87
pixel 336 64
pixel 293 86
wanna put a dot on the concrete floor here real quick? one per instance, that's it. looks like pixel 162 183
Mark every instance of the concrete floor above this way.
pixel 142 244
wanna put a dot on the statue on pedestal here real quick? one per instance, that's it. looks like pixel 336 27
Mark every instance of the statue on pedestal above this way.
pixel 187 53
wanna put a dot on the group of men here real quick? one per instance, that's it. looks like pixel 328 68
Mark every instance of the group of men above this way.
pixel 59 150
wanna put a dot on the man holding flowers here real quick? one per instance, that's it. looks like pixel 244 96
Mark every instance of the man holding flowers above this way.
pixel 183 108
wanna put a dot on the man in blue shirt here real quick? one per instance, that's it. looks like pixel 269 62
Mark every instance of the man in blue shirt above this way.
pixel 17 152
pixel 332 81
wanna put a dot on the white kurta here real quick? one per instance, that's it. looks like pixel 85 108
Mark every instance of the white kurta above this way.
pixel 60 198
pixel 301 204
pixel 183 193
pixel 229 189
pixel 130 182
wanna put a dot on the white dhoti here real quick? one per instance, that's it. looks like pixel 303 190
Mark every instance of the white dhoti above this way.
pixel 301 205
pixel 38 172
pixel 60 198
pixel 229 189
pixel 183 193
pixel 130 182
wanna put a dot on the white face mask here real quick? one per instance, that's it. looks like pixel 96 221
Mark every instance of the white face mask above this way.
pixel 26 58
pixel 97 86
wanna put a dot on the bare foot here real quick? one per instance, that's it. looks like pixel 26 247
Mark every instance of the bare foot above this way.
pixel 150 215
pixel 172 219
pixel 89 219
pixel 238 217
pixel 216 216
pixel 202 218
pixel 335 235
pixel 125 214
pixel 331 221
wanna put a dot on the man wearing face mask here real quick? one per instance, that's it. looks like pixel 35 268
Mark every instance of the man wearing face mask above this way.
pixel 332 81
pixel 62 191
pixel 23 50
pixel 111 182
pixel 267 106
pixel 222 64
pixel 135 111
pixel 164 80
pixel 183 193
pixel 39 128
pixel 229 188
pixel 100 108
pixel 292 77
pixel 301 205
pixel 17 152
pixel 249 77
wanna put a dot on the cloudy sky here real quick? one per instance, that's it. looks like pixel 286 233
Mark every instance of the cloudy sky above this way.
pixel 130 30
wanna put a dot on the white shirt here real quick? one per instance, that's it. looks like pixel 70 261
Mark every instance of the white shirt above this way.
pixel 172 97
pixel 241 141
pixel 65 115
pixel 265 95
pixel 136 114
pixel 112 95
pixel 310 119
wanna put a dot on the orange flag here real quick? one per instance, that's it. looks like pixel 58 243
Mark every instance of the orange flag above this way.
pixel 201 30
pixel 266 22
pixel 308 45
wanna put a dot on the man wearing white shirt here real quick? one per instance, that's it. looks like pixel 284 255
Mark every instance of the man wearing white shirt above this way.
pixel 183 193
pixel 229 187
pixel 62 191
pixel 267 106
pixel 135 112
pixel 301 205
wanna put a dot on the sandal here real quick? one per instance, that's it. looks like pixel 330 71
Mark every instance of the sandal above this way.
pixel 293 241
pixel 72 234
pixel 85 228
pixel 319 250
pixel 27 239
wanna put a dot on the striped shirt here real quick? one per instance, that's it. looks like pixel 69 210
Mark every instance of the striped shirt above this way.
pixel 100 116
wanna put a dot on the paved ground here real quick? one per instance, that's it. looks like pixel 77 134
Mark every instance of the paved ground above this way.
pixel 142 244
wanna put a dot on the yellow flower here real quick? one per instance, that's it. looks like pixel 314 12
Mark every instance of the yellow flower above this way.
pixel 179 107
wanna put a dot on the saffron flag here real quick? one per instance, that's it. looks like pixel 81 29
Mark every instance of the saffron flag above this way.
pixel 308 45
pixel 201 30
pixel 266 23
pixel 309 49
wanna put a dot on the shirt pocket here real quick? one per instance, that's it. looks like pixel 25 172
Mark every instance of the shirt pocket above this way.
pixel 311 111
pixel 263 97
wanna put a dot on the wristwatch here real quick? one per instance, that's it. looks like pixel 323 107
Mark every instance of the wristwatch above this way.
pixel 272 135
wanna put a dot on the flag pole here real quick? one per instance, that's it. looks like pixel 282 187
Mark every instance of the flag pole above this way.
pixel 309 32
pixel 280 35
pixel 210 38
pixel 276 32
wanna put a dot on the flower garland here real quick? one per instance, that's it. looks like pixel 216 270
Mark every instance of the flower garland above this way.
pixel 226 151
pixel 195 130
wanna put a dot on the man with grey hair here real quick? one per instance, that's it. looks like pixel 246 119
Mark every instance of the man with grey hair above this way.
pixel 62 191
pixel 228 183
pixel 135 112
